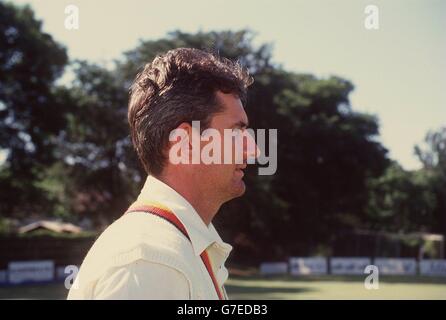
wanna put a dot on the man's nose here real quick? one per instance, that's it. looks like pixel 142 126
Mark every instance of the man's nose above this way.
pixel 251 150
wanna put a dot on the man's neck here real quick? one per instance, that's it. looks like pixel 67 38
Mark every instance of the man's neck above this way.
pixel 202 203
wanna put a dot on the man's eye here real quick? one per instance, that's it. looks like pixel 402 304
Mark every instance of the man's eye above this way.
pixel 237 130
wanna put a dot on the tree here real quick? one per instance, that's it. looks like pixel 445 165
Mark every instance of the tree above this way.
pixel 433 156
pixel 402 201
pixel 327 153
pixel 94 148
pixel 30 115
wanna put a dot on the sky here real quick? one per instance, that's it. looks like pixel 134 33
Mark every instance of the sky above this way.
pixel 399 70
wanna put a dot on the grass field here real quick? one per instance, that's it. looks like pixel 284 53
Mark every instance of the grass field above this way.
pixel 335 287
pixel 286 287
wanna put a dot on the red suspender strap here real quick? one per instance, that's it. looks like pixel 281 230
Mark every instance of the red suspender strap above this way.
pixel 170 217
pixel 204 256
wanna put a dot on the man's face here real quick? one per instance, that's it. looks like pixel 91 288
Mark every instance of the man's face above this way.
pixel 226 179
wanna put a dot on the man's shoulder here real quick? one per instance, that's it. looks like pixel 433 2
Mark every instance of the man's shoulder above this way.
pixel 138 236
pixel 139 228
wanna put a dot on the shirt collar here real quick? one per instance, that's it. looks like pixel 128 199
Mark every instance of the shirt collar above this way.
pixel 201 236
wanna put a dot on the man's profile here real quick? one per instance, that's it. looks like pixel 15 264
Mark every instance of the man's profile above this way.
pixel 165 246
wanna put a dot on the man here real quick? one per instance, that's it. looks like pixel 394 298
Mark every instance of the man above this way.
pixel 165 246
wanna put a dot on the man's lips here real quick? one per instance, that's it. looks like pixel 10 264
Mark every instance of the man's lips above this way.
pixel 239 172
pixel 239 169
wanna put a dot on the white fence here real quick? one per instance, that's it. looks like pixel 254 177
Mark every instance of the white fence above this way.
pixel 349 265
pixel 33 271
pixel 396 266
pixel 354 266
pixel 302 266
pixel 433 267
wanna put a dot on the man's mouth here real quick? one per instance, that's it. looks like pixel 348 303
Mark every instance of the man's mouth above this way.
pixel 239 170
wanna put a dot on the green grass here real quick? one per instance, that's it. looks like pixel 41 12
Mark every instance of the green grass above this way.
pixel 286 287
pixel 43 291
pixel 335 287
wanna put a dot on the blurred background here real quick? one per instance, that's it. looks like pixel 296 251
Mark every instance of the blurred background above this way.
pixel 361 119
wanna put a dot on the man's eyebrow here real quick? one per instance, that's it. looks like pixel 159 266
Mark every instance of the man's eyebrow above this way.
pixel 240 124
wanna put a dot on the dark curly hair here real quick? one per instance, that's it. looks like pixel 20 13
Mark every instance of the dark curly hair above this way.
pixel 178 86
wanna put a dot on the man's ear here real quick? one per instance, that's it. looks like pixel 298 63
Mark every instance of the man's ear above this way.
pixel 185 126
pixel 180 134
pixel 185 133
pixel 180 145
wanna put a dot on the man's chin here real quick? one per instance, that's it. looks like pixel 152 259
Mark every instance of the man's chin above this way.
pixel 236 189
pixel 239 188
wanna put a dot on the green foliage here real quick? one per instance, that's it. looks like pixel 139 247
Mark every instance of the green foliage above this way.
pixel 53 182
pixel 95 147
pixel 402 200
pixel 30 115
pixel 433 156
pixel 5 226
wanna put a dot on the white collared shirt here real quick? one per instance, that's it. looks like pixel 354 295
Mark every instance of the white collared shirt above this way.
pixel 142 256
